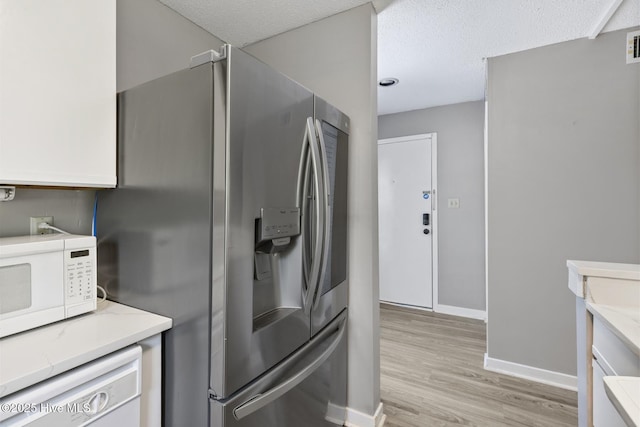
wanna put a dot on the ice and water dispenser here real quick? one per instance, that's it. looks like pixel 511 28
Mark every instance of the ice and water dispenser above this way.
pixel 274 230
pixel 276 290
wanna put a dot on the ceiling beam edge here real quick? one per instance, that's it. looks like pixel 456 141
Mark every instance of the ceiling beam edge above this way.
pixel 605 18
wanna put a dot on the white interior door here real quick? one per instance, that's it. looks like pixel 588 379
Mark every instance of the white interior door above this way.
pixel 406 221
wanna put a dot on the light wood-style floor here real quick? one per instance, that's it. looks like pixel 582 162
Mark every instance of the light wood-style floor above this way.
pixel 432 375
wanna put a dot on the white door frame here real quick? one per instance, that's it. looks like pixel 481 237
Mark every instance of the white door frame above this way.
pixel 434 205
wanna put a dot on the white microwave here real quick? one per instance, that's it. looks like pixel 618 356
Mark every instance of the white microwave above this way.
pixel 45 278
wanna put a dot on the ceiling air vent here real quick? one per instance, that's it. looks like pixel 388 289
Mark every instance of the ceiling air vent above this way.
pixel 633 47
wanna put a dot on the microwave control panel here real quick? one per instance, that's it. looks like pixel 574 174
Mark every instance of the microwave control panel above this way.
pixel 80 276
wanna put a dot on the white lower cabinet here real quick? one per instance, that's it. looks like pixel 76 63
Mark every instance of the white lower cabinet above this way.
pixel 613 354
pixel 611 357
pixel 604 413
pixel 608 344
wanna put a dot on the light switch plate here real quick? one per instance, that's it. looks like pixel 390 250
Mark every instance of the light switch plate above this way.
pixel 453 203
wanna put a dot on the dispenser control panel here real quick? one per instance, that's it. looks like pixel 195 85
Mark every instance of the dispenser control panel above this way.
pixel 278 222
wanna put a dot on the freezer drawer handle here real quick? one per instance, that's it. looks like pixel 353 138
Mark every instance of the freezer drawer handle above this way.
pixel 263 399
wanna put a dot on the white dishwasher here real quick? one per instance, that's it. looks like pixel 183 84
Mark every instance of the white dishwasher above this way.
pixel 102 393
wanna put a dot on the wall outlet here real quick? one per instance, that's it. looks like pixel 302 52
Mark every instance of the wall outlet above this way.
pixel 453 203
pixel 37 220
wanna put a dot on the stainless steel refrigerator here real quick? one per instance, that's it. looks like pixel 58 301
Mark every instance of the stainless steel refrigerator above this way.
pixel 230 217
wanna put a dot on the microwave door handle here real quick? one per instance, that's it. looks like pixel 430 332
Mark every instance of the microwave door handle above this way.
pixel 317 219
pixel 327 209
pixel 263 399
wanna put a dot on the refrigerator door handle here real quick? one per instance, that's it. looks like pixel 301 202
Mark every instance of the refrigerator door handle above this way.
pixel 303 194
pixel 312 272
pixel 327 208
pixel 301 198
pixel 262 399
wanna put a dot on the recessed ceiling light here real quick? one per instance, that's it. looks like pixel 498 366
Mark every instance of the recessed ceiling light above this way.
pixel 390 81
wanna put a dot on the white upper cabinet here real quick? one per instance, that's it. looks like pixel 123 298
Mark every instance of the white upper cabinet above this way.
pixel 58 92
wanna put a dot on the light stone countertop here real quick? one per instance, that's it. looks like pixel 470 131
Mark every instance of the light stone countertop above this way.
pixel 624 322
pixel 624 393
pixel 605 269
pixel 579 270
pixel 36 355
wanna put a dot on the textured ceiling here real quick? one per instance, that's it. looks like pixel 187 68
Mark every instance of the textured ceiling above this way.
pixel 241 22
pixel 435 47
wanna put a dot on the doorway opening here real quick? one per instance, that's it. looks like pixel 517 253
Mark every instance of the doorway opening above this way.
pixel 408 220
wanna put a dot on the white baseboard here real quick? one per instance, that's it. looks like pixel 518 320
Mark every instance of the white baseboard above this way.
pixel 383 418
pixel 460 311
pixel 335 414
pixel 359 419
pixel 412 307
pixel 556 379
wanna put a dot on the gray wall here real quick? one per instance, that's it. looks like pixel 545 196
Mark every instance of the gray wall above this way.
pixel 337 58
pixel 461 254
pixel 72 210
pixel 563 183
pixel 152 40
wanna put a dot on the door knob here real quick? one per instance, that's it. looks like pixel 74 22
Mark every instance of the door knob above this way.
pixel 425 231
